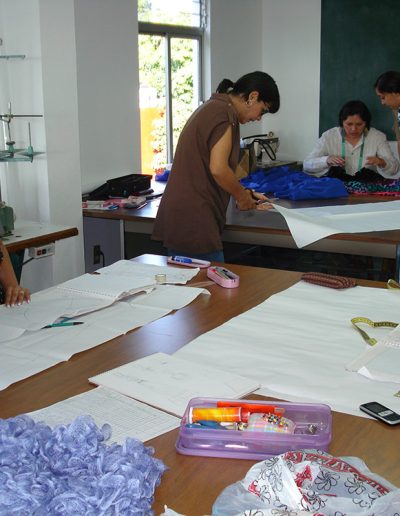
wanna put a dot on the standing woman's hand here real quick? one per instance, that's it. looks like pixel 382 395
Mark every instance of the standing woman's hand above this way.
pixel 246 200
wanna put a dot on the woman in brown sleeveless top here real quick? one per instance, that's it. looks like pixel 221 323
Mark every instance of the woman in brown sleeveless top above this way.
pixel 192 212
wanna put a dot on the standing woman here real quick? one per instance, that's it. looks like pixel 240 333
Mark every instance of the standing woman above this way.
pixel 13 293
pixel 387 87
pixel 192 212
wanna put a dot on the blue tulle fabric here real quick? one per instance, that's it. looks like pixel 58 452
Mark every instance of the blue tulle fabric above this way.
pixel 70 470
pixel 289 184
pixel 163 176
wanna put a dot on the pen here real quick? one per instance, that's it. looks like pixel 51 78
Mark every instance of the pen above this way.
pixel 60 324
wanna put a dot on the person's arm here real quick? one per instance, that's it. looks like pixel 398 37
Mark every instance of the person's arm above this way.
pixel 225 177
pixel 14 294
pixel 319 161
pixel 384 161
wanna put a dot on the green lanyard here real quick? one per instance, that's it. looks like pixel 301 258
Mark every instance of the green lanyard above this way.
pixel 361 151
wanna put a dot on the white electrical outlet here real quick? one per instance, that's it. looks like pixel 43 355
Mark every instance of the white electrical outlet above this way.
pixel 42 251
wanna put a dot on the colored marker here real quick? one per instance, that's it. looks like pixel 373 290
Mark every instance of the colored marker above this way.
pixel 181 259
pixel 252 407
pixel 61 324
pixel 226 414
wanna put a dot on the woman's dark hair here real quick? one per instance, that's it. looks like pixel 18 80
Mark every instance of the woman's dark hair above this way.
pixel 388 82
pixel 261 82
pixel 355 107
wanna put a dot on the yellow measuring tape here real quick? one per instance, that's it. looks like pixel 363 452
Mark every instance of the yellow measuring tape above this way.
pixel 391 283
pixel 379 324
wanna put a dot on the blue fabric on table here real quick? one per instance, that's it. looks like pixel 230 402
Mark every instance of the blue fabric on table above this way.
pixel 290 184
pixel 70 470
pixel 162 176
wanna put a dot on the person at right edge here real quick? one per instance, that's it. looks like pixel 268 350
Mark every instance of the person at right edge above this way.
pixel 192 212
pixel 387 87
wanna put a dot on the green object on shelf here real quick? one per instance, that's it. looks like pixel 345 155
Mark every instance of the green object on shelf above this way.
pixel 6 220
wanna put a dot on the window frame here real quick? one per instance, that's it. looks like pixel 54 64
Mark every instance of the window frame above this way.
pixel 168 32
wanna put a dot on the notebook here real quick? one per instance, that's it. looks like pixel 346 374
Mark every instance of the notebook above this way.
pixel 169 383
pixel 112 286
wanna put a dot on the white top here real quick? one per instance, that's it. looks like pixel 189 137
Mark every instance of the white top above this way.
pixel 330 144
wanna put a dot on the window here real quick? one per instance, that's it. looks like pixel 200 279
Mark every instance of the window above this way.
pixel 170 61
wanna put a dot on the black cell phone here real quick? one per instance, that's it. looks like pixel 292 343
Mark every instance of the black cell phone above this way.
pixel 381 412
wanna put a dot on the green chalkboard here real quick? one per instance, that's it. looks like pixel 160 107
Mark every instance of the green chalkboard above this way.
pixel 359 41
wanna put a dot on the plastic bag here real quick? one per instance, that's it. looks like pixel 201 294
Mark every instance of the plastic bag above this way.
pixel 309 482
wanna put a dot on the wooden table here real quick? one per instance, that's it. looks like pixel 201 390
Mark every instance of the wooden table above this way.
pixel 34 234
pixel 191 484
pixel 249 227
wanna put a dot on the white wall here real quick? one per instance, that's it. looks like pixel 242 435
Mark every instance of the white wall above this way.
pixel 23 185
pixel 234 38
pixel 281 38
pixel 108 96
pixel 291 44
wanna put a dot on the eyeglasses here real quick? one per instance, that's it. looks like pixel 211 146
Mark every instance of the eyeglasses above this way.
pixel 265 110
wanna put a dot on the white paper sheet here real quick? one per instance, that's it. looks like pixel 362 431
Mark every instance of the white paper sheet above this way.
pixel 169 383
pixel 36 351
pixel 67 301
pixel 298 342
pixel 85 294
pixel 307 225
pixel 127 417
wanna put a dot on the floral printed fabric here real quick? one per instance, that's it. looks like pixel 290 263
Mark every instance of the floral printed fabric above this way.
pixel 71 471
pixel 309 482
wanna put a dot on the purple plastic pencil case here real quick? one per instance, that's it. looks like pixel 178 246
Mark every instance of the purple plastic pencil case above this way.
pixel 313 430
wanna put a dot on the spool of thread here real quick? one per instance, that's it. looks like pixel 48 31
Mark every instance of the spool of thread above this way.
pixel 161 278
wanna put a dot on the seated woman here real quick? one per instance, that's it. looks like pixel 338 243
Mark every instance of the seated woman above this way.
pixel 13 293
pixel 354 150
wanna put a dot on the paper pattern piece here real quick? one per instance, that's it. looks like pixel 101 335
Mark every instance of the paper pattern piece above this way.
pixel 169 382
pixel 33 352
pixel 388 345
pixel 127 417
pixel 87 293
pixel 298 342
pixel 307 225
pixel 66 300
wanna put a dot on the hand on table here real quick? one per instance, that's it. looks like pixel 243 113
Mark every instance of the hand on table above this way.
pixel 16 295
pixel 251 200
